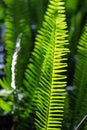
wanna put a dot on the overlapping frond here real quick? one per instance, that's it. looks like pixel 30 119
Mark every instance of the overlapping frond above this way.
pixel 37 9
pixel 17 21
pixel 80 78
pixel 45 78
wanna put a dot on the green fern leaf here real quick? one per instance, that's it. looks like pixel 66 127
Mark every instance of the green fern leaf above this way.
pixel 80 80
pixel 17 21
pixel 52 93
pixel 6 106
pixel 47 68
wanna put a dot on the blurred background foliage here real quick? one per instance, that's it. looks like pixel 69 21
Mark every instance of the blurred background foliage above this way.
pixel 27 17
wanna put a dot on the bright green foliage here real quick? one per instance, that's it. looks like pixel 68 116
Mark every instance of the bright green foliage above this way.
pixel 6 106
pixel 45 74
pixel 80 80
pixel 49 54
pixel 39 98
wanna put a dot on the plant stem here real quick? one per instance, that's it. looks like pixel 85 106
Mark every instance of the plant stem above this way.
pixel 81 122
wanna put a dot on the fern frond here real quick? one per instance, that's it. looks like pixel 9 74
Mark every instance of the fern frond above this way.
pixel 17 21
pixel 52 82
pixel 80 80
pixel 45 74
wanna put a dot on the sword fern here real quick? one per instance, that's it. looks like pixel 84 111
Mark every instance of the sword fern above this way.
pixel 45 76
pixel 80 80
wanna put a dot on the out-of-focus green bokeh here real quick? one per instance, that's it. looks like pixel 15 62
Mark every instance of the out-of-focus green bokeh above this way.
pixel 2 12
